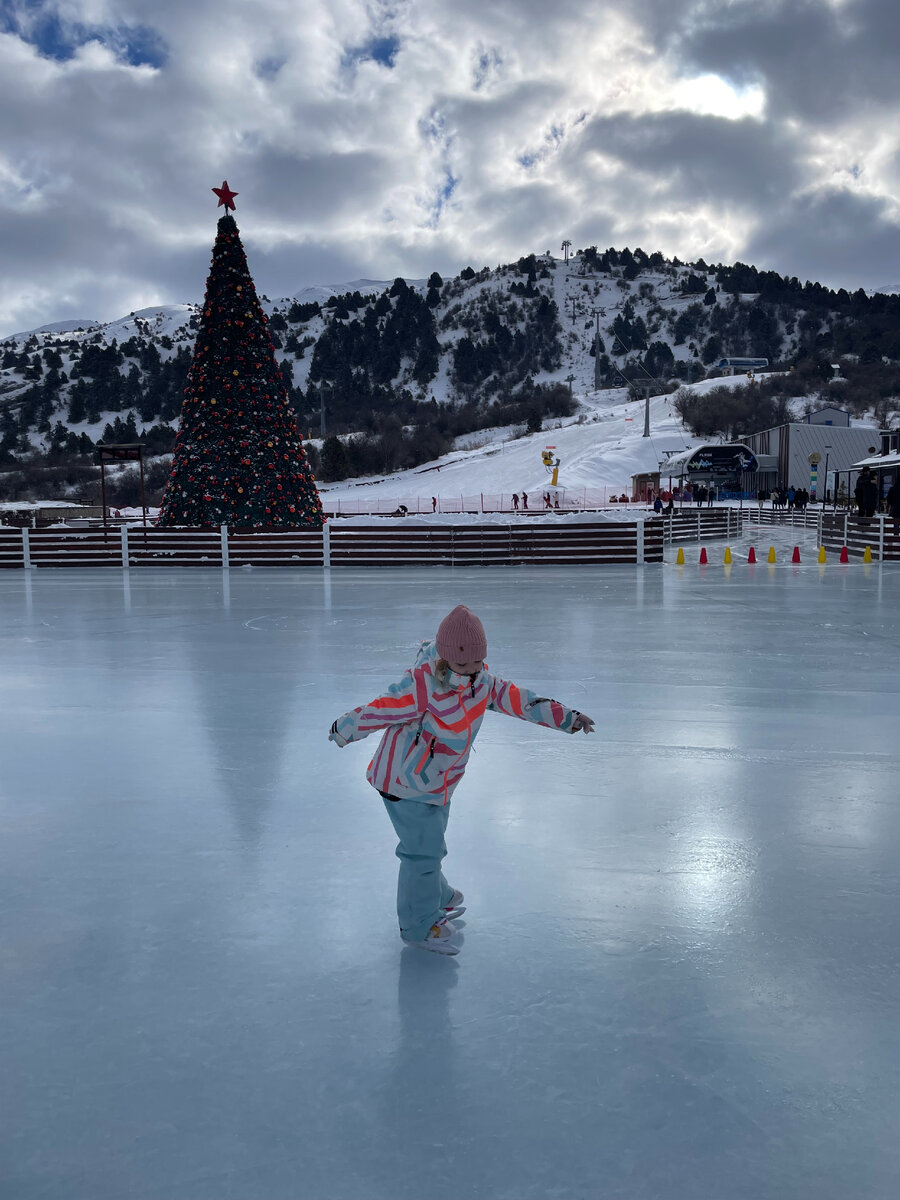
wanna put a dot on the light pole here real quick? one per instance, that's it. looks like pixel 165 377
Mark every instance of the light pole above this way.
pixel 740 480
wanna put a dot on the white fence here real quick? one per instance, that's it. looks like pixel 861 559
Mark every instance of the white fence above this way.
pixel 558 498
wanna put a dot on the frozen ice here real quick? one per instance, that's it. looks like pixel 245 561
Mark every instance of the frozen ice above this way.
pixel 680 969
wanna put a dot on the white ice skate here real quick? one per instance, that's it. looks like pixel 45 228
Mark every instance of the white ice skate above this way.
pixel 455 908
pixel 440 938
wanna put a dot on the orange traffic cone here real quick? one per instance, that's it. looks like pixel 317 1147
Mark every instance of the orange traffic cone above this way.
pixel 845 557
pixel 703 558
pixel 751 557
pixel 795 557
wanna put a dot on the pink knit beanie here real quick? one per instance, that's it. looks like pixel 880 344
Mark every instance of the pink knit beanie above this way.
pixel 460 636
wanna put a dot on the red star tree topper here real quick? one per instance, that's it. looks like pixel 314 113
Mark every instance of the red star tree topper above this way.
pixel 239 458
pixel 226 196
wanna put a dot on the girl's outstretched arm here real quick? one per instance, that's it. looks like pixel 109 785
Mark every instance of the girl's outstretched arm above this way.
pixel 527 706
pixel 403 701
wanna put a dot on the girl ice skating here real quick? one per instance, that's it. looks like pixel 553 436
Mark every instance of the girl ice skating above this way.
pixel 430 719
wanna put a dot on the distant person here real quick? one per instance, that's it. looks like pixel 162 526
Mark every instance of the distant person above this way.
pixel 658 505
pixel 430 719
pixel 892 501
pixel 710 496
pixel 761 498
pixel 525 501
pixel 556 499
pixel 866 493
pixel 547 503
pixel 791 496
pixel 699 494
pixel 434 503
pixel 515 498
pixel 670 507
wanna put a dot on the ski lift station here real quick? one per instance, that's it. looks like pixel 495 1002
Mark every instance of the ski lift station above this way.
pixel 729 467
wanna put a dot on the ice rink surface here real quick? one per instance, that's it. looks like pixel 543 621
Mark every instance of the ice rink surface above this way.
pixel 680 976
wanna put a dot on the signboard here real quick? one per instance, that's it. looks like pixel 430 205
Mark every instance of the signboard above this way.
pixel 121 453
pixel 721 460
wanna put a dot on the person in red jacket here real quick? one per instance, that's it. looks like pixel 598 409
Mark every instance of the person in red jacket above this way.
pixel 430 719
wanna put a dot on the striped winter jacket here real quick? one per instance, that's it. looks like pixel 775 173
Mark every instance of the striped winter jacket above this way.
pixel 430 725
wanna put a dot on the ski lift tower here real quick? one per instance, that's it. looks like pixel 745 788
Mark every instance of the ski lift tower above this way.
pixel 596 313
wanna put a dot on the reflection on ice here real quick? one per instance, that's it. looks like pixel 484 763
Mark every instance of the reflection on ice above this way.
pixel 680 971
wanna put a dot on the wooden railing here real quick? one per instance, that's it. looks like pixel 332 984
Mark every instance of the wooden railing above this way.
pixel 700 524
pixel 538 542
pixel 880 534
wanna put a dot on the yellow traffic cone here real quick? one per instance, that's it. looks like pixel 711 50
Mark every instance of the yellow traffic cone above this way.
pixel 822 557
pixel 679 558
pixel 771 557
pixel 867 554
pixel 727 555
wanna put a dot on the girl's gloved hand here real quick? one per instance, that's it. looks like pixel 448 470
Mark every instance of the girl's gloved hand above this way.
pixel 582 722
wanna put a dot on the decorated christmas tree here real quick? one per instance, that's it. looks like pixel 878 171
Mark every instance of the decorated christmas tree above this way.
pixel 239 458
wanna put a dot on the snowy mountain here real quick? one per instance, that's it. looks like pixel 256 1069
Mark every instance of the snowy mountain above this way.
pixel 443 360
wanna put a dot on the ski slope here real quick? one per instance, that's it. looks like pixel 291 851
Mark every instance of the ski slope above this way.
pixel 601 447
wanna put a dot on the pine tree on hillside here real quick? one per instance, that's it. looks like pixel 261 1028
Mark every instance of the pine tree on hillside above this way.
pixel 239 459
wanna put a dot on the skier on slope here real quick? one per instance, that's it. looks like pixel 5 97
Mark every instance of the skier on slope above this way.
pixel 430 718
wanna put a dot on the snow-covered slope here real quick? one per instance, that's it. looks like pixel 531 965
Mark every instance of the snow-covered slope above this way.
pixel 602 447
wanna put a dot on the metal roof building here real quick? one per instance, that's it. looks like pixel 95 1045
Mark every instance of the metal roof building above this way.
pixel 838 449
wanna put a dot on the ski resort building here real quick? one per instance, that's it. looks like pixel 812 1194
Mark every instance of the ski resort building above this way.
pixel 809 453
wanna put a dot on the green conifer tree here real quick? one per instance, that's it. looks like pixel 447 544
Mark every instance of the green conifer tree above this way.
pixel 239 458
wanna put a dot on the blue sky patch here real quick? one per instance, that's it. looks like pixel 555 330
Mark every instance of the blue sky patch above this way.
pixel 382 50
pixel 444 192
pixel 137 45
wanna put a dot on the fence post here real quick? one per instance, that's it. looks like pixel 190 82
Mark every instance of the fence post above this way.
pixel 881 539
pixel 820 526
pixel 699 534
pixel 846 525
pixel 640 557
pixel 727 522
pixel 223 533
pixel 326 546
pixel 124 532
pixel 26 548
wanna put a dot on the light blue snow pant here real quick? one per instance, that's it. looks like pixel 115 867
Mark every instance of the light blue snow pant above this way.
pixel 422 890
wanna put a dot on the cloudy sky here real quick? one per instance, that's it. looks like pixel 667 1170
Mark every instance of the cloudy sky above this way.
pixel 375 138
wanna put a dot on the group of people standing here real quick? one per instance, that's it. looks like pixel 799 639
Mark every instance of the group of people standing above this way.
pixel 790 498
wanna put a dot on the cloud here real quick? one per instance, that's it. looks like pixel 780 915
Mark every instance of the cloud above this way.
pixel 384 137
